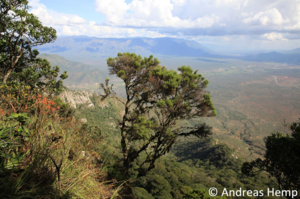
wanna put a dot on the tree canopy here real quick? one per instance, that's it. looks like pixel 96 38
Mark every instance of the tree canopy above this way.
pixel 282 159
pixel 156 100
pixel 20 31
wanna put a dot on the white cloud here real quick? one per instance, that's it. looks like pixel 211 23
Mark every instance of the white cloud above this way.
pixel 189 17
pixel 179 2
pixel 43 15
pixel 113 9
pixel 149 13
pixel 72 25
pixel 270 17
pixel 103 31
pixel 274 36
pixel 36 3
pixel 219 20
pixel 245 14
pixel 50 18
pixel 214 17
pixel 117 32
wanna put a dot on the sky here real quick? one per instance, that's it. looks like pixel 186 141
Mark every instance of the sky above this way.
pixel 223 24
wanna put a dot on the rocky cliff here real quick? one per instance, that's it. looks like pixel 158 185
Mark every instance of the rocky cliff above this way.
pixel 75 98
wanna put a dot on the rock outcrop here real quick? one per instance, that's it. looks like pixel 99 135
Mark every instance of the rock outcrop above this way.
pixel 74 98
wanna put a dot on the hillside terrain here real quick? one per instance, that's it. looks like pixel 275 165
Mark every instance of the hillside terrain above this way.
pixel 80 76
pixel 252 99
pixel 65 64
pixel 192 164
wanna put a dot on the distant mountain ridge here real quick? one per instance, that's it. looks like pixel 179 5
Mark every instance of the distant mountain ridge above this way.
pixel 274 57
pixel 92 49
pixel 105 47
pixel 293 51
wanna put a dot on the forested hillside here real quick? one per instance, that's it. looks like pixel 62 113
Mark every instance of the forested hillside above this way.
pixel 193 164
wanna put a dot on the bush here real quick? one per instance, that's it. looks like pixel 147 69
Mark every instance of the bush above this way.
pixel 43 153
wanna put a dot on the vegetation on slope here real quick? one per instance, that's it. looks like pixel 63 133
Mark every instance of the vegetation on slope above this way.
pixel 45 152
pixel 188 171
pixel 41 155
pixel 281 159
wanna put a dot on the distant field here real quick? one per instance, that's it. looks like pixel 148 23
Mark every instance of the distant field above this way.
pixel 251 106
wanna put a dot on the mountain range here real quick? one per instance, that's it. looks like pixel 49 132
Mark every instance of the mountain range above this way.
pixel 83 48
pixel 91 49
pixel 290 58
pixel 293 51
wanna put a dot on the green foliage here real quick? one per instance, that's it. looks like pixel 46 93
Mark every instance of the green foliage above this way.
pixel 207 100
pixel 40 75
pixel 101 125
pixel 102 116
pixel 141 193
pixel 197 166
pixel 94 132
pixel 199 194
pixel 160 103
pixel 169 103
pixel 142 128
pixel 121 74
pixel 171 78
pixel 157 185
pixel 11 137
pixel 281 159
pixel 156 93
pixel 20 31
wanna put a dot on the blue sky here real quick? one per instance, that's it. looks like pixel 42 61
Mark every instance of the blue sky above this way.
pixel 84 9
pixel 247 24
